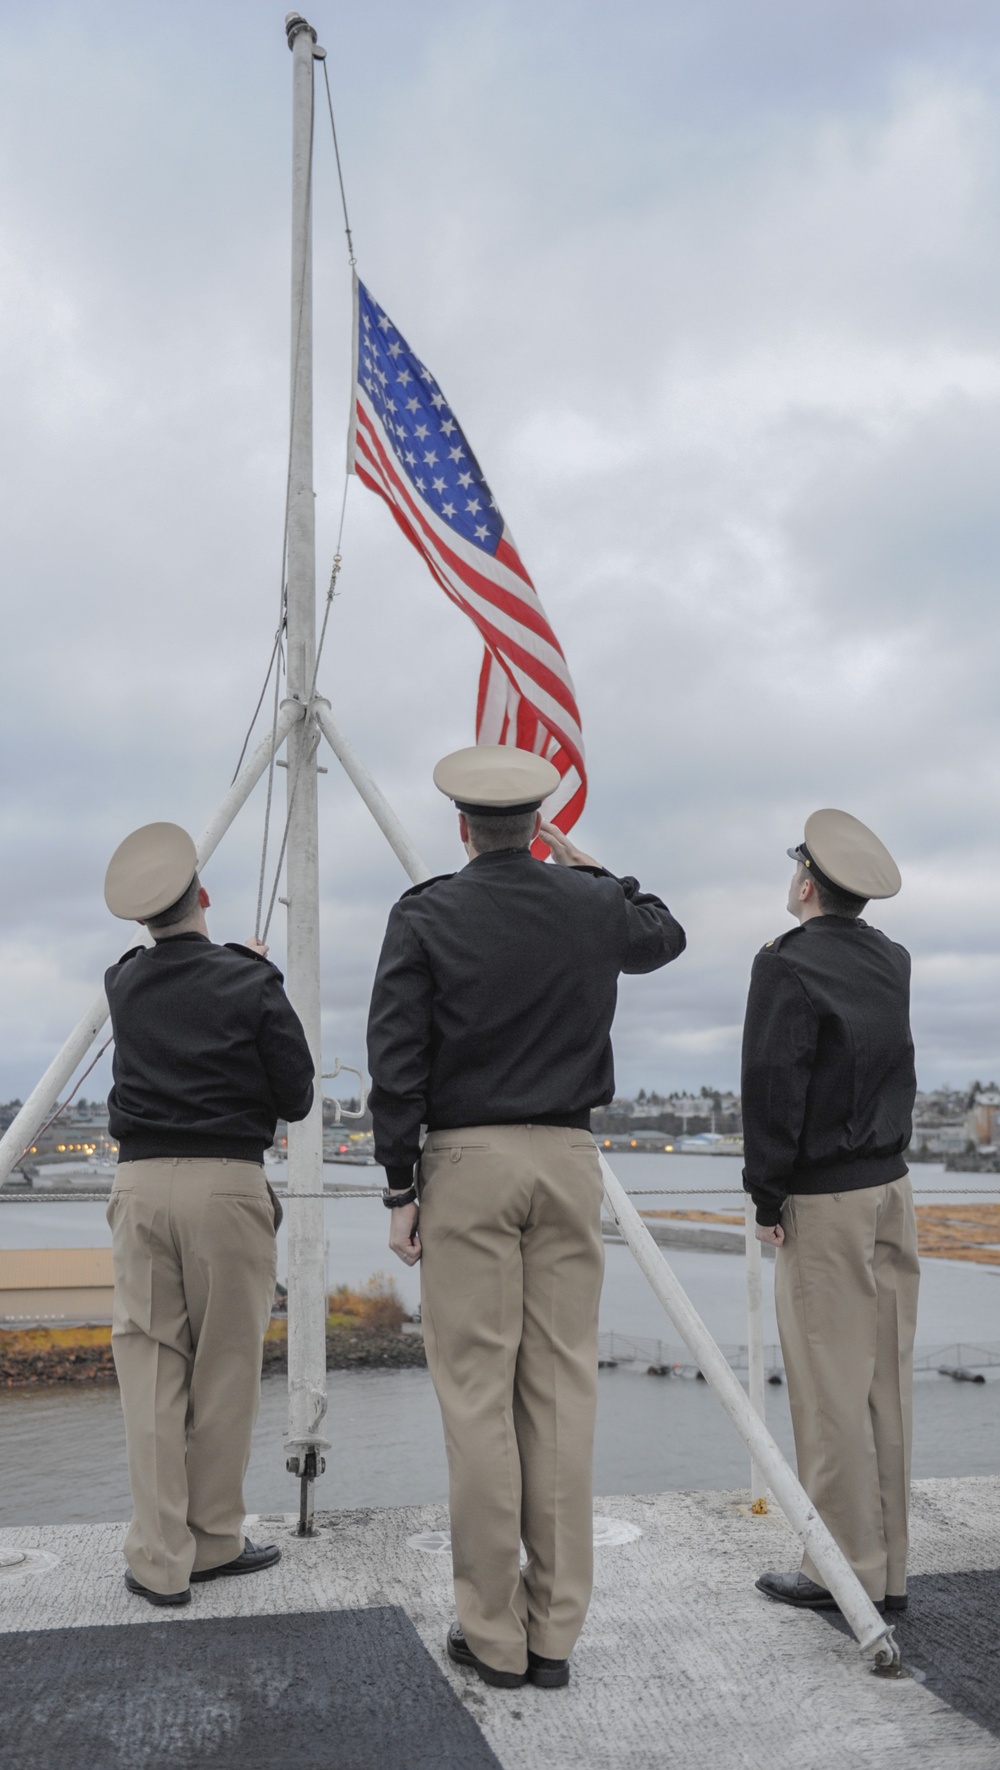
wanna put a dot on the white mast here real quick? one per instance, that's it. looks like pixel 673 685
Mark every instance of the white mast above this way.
pixel 306 1243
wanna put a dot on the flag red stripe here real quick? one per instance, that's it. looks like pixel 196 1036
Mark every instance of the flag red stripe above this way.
pixel 528 614
pixel 523 662
pixel 541 674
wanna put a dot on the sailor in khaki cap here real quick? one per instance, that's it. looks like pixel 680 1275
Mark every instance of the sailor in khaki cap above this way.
pixel 208 1055
pixel 828 1088
pixel 490 1024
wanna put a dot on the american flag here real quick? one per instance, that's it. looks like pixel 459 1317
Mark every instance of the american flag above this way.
pixel 407 445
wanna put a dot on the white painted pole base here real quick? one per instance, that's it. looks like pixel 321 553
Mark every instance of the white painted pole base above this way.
pixel 874 1635
pixel 755 1349
pixel 23 1130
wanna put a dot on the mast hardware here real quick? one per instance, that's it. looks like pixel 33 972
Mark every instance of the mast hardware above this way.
pixel 295 24
pixel 341 1111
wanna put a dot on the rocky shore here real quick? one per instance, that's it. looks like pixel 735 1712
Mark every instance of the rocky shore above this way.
pixel 47 1358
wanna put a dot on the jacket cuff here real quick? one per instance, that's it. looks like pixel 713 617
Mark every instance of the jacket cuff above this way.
pixel 768 1216
pixel 398 1179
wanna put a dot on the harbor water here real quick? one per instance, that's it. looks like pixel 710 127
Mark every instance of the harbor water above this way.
pixel 63 1454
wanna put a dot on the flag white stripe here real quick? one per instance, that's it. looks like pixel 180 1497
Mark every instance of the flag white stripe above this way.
pixel 484 565
pixel 476 602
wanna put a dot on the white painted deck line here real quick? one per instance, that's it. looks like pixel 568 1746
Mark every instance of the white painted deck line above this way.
pixel 682 1663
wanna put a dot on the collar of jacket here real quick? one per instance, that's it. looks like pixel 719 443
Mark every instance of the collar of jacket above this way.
pixel 503 857
pixel 171 939
pixel 835 921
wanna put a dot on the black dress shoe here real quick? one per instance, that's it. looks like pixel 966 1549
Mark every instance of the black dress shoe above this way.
pixel 155 1597
pixel 549 1674
pixel 462 1654
pixel 895 1603
pixel 251 1560
pixel 792 1588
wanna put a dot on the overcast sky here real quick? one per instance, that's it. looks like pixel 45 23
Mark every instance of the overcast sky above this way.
pixel 715 292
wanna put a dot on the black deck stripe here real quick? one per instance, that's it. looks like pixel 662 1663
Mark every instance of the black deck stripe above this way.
pixel 320 1690
pixel 950 1636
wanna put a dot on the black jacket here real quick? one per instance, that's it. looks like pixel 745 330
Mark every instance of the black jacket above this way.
pixel 209 1052
pixel 828 1077
pixel 494 997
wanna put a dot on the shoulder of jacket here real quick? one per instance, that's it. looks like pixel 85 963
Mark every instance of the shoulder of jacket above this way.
pixel 133 953
pixel 780 940
pixel 241 951
pixel 246 953
pixel 426 885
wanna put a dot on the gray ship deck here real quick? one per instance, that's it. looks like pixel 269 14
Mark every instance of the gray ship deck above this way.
pixel 334 1660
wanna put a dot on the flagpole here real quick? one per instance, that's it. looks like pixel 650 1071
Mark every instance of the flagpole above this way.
pixel 307 1304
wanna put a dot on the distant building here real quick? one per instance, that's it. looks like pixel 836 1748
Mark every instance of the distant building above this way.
pixel 79 1134
pixel 982 1121
pixel 56 1285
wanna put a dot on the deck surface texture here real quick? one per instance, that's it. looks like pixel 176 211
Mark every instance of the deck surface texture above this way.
pixel 681 1664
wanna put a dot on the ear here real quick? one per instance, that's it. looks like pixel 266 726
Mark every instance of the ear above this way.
pixel 539 820
pixel 204 899
pixel 463 828
pixel 807 889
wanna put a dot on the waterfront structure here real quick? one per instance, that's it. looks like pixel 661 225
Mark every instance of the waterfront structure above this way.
pixel 55 1285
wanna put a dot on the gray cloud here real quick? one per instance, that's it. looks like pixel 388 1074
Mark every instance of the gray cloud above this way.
pixel 712 290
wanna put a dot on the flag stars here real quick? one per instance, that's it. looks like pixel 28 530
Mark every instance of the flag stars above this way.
pixel 421 436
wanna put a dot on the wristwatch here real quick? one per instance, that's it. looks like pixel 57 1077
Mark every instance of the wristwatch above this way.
pixel 392 1199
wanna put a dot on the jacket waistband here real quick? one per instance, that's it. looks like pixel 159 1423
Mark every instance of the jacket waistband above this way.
pixel 848 1176
pixel 145 1146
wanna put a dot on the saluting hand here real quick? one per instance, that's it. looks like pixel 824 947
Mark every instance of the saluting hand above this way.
pixel 256 946
pixel 404 1238
pixel 564 853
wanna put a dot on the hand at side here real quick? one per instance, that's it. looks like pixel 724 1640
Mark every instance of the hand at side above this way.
pixel 404 1239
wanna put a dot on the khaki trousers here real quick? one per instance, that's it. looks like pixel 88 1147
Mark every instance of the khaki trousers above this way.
pixel 845 1288
pixel 194 1263
pixel 513 1258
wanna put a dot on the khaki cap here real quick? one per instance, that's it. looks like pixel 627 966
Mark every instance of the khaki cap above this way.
pixel 846 852
pixel 493 780
pixel 149 871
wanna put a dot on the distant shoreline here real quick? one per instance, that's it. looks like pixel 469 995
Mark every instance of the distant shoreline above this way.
pixel 46 1358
